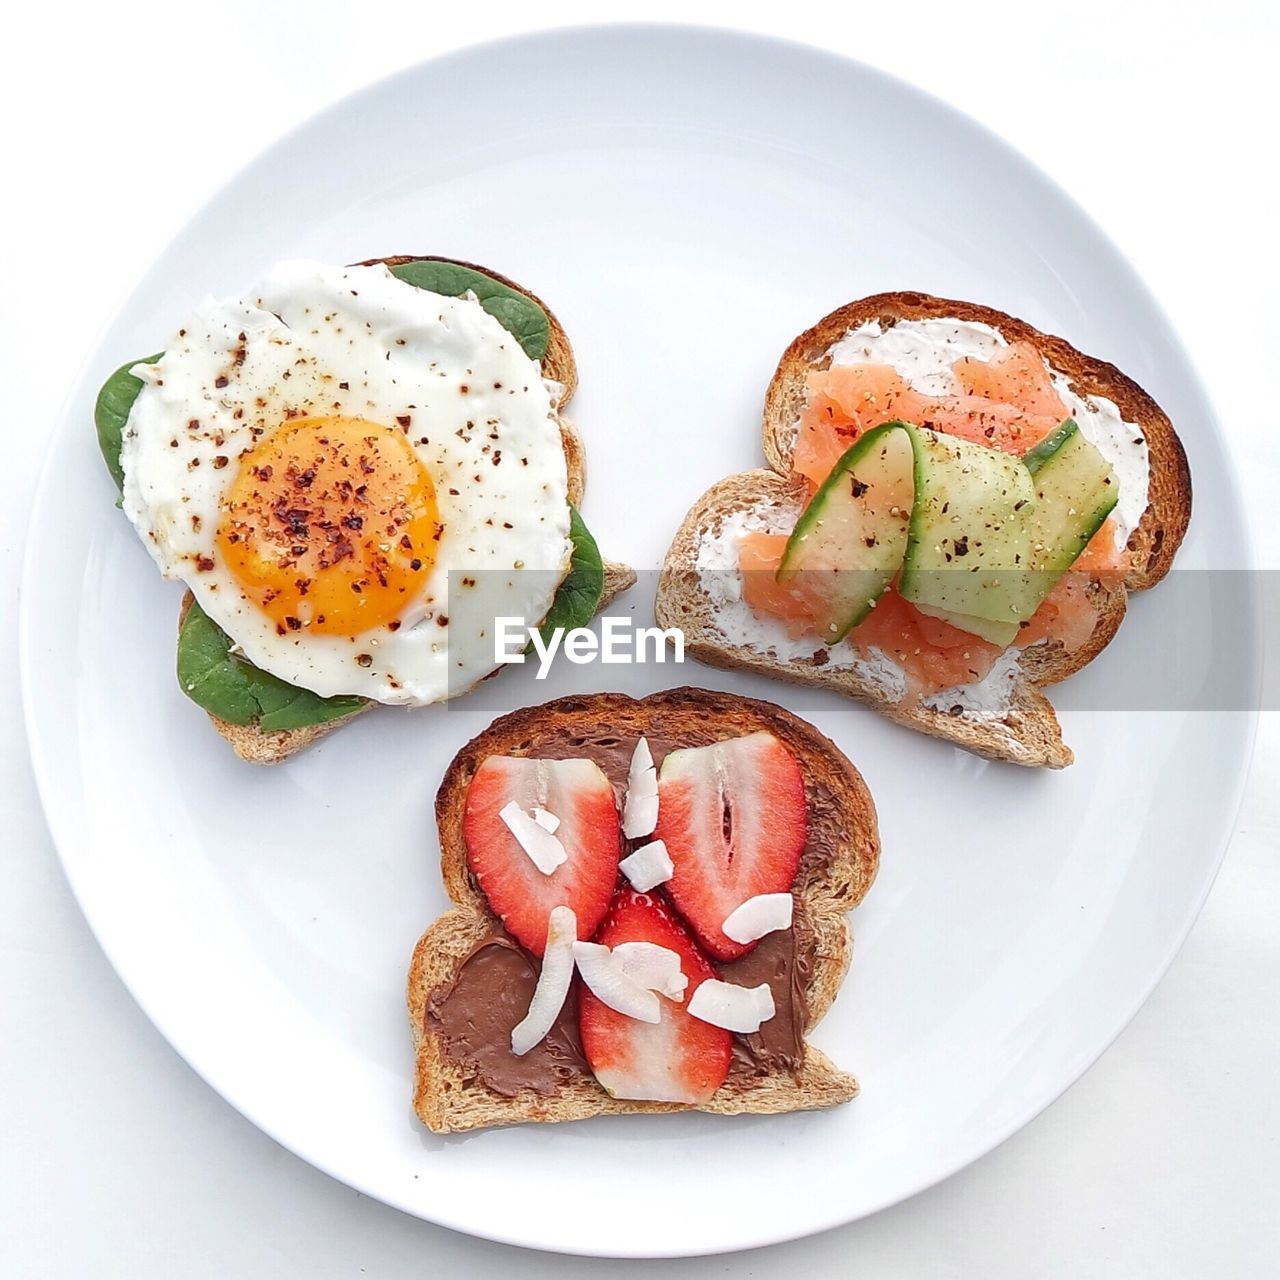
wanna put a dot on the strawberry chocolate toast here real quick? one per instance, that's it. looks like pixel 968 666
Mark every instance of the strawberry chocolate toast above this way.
pixel 649 913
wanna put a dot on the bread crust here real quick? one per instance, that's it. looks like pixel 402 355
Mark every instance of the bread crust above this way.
pixel 1029 734
pixel 258 746
pixel 448 1102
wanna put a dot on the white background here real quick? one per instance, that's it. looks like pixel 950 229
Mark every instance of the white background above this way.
pixel 118 122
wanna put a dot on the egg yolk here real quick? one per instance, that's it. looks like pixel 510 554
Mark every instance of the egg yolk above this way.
pixel 330 526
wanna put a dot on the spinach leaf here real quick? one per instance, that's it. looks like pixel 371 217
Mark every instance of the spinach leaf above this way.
pixel 235 690
pixel 518 314
pixel 580 592
pixel 111 412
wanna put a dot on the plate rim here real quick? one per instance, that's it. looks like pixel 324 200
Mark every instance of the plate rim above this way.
pixel 1252 644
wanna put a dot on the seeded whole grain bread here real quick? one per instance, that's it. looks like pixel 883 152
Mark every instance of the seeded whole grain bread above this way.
pixel 1029 733
pixel 259 746
pixel 446 1100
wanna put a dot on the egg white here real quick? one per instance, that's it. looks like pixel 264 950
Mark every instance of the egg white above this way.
pixel 318 340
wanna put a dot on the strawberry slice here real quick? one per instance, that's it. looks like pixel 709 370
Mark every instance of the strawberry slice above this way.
pixel 679 1058
pixel 578 793
pixel 734 820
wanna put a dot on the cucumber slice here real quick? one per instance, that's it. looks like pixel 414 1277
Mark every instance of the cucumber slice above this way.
pixel 970 541
pixel 998 633
pixel 850 540
pixel 1076 491
pixel 1049 447
pixel 981 536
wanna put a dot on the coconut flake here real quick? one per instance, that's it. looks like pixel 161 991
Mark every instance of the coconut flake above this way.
pixel 765 913
pixel 649 866
pixel 553 982
pixel 740 1009
pixel 640 810
pixel 545 819
pixel 653 967
pixel 602 972
pixel 544 849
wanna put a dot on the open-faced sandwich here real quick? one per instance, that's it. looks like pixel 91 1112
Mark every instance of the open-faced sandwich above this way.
pixel 354 470
pixel 957 508
pixel 649 913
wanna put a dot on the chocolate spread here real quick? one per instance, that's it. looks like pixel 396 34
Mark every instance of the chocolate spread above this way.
pixel 784 961
pixel 474 1014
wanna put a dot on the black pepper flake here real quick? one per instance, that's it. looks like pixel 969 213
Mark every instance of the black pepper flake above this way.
pixel 364 659
pixel 415 564
pixel 221 381
pixel 294 624
pixel 220 461
pixel 204 563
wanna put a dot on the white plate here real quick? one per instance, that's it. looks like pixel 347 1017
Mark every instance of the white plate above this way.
pixel 687 201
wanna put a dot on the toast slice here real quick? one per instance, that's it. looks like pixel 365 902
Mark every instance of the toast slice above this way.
pixel 449 1096
pixel 1029 733
pixel 259 746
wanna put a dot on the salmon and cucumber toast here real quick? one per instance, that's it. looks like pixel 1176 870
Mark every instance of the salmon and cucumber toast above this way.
pixel 649 913
pixel 955 511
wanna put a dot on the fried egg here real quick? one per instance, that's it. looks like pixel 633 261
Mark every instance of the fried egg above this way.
pixel 354 477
